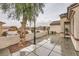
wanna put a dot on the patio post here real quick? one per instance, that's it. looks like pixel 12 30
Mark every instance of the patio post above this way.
pixel 34 32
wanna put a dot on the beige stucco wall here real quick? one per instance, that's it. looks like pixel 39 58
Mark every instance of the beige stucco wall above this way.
pixel 31 36
pixel 9 40
pixel 75 31
pixel 5 52
pixel 72 27
pixel 1 29
pixel 56 28
pixel 75 43
pixel 62 20
pixel 13 39
pixel 76 23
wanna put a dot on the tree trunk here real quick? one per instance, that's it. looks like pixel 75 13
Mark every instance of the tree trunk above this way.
pixel 22 31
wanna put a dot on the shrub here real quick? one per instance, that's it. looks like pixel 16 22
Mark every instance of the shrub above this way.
pixel 4 34
pixel 27 32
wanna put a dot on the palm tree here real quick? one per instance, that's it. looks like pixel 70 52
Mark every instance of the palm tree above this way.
pixel 28 11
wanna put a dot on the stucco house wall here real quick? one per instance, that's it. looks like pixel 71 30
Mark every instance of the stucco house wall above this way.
pixel 76 22
pixel 55 28
pixel 75 26
pixel 63 18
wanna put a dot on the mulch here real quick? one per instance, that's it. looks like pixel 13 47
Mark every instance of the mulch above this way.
pixel 18 46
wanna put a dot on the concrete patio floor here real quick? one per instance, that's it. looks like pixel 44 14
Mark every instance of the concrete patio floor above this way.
pixel 52 45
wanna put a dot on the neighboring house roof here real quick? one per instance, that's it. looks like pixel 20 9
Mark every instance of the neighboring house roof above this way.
pixel 2 22
pixel 63 15
pixel 6 27
pixel 55 23
pixel 13 27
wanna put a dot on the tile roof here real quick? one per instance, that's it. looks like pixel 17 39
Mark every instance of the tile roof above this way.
pixel 55 23
pixel 2 22
pixel 63 15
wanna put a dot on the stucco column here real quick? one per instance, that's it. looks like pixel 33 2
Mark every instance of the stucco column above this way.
pixel 76 25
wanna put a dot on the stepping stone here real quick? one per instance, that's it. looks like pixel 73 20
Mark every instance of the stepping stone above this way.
pixel 32 54
pixel 42 51
pixel 55 54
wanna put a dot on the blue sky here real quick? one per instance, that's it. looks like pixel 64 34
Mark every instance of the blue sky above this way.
pixel 51 13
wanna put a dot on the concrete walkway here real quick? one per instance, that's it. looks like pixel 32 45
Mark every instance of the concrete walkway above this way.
pixel 53 45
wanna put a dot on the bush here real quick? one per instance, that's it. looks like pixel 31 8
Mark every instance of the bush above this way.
pixel 53 32
pixel 37 31
pixel 18 31
pixel 32 31
pixel 27 32
pixel 4 34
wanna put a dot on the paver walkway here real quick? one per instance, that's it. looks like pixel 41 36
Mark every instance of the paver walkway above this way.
pixel 53 45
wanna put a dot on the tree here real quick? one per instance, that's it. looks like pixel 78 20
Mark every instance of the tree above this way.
pixel 28 11
pixel 37 8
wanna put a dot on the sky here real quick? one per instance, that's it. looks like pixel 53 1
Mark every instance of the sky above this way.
pixel 51 13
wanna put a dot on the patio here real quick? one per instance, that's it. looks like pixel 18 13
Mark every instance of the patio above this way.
pixel 52 45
